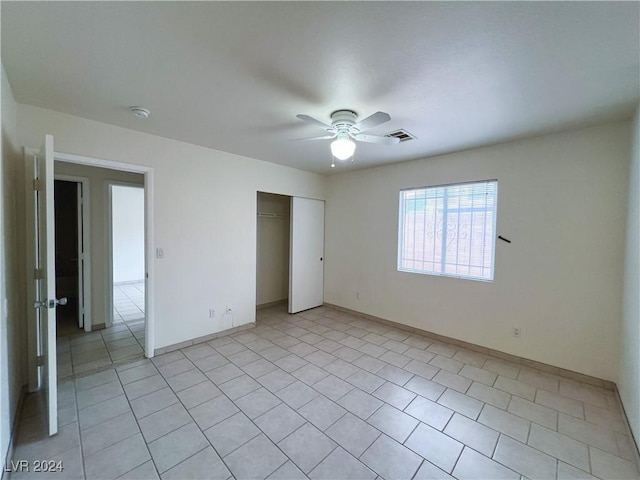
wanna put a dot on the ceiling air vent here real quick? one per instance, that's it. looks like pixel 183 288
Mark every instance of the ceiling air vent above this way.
pixel 403 135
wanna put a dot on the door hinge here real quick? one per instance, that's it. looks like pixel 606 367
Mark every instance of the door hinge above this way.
pixel 37 185
pixel 40 360
pixel 38 274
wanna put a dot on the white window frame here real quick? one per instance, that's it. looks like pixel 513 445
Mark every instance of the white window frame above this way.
pixel 401 216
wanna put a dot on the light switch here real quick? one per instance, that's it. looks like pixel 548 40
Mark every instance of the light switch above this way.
pixel 159 253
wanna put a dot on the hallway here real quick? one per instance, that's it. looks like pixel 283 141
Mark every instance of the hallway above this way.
pixel 80 352
pixel 128 302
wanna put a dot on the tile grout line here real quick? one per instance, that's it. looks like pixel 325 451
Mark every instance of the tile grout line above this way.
pixel 196 423
pixel 464 393
pixel 75 394
pixel 295 410
pixel 139 429
pixel 329 319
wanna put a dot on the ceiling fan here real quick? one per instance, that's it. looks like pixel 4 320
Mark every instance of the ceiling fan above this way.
pixel 345 128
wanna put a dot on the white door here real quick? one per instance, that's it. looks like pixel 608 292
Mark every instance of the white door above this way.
pixel 306 267
pixel 45 278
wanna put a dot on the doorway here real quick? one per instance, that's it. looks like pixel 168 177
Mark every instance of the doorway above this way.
pixel 126 217
pixel 101 343
pixel 71 252
pixel 127 254
pixel 272 255
pixel 289 252
pixel 67 254
pixel 44 348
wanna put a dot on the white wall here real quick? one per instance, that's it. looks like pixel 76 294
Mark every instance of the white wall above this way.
pixel 204 204
pixel 629 379
pixel 127 210
pixel 273 249
pixel 13 346
pixel 562 202
pixel 98 184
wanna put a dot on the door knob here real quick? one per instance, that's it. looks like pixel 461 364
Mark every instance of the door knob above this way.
pixel 50 303
pixel 57 301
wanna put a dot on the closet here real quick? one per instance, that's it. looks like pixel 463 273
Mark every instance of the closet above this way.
pixel 272 275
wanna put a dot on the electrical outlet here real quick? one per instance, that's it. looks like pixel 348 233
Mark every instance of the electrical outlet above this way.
pixel 516 332
pixel 212 313
pixel 357 295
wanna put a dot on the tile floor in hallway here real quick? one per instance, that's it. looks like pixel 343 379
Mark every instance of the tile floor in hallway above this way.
pixel 83 352
pixel 128 301
pixel 328 395
pixel 80 352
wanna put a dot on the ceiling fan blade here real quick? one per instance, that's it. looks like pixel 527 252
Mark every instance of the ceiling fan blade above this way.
pixel 309 119
pixel 372 121
pixel 326 137
pixel 377 139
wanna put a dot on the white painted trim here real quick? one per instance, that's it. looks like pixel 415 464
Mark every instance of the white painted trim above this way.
pixel 149 310
pixel 108 287
pixel 98 162
pixel 86 235
pixel 149 240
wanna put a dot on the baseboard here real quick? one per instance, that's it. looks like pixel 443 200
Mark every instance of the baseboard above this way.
pixel 14 432
pixel 272 304
pixel 98 326
pixel 563 372
pixel 206 338
pixel 634 440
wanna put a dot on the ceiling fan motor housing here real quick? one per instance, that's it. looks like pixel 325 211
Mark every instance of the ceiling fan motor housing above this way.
pixel 343 119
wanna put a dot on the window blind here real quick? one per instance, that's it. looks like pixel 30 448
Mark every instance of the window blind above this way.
pixel 449 230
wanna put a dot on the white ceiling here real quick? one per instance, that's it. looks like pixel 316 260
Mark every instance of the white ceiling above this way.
pixel 233 75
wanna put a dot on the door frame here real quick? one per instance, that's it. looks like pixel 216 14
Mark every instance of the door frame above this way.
pixel 149 325
pixel 291 196
pixel 109 242
pixel 84 236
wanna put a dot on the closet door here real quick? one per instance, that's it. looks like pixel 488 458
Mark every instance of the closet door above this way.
pixel 306 266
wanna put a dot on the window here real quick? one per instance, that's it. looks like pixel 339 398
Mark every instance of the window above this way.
pixel 449 230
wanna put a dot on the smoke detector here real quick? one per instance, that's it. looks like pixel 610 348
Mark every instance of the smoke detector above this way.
pixel 140 112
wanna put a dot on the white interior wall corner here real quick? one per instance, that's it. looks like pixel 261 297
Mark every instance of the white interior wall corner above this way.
pixel 205 216
pixel 561 201
pixel 629 374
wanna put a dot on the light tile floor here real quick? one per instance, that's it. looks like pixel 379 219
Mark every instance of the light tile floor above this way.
pixel 128 302
pixel 327 395
pixel 83 352
pixel 80 352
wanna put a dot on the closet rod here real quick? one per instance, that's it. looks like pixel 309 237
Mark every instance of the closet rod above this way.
pixel 272 215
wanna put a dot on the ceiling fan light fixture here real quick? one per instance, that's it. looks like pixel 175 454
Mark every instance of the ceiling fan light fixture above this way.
pixel 343 147
pixel 345 130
